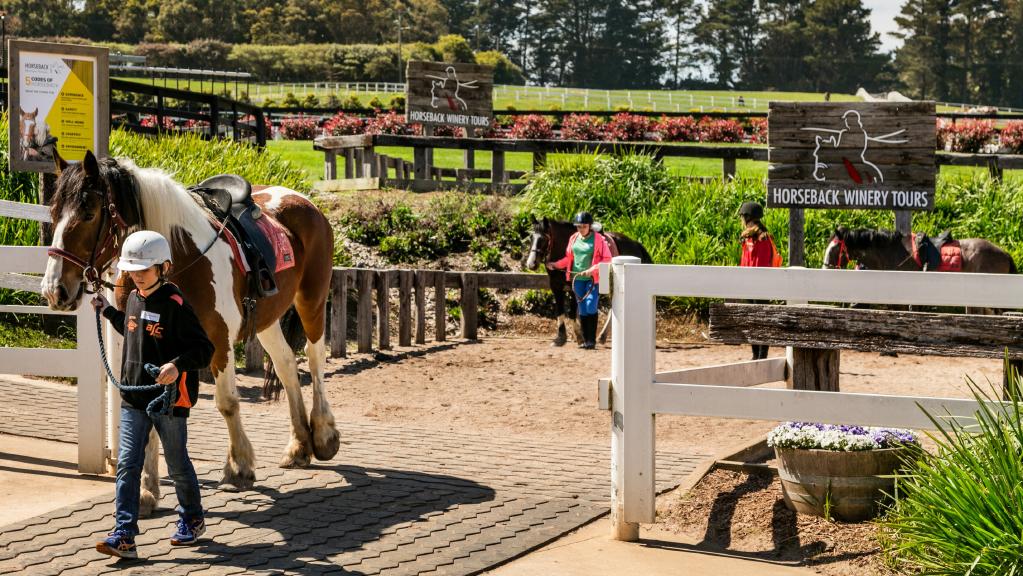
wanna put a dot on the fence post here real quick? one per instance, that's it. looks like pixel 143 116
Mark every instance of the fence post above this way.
pixel 364 330
pixel 728 169
pixel 539 160
pixel 421 306
pixel 330 164
pixel 384 308
pixel 349 163
pixel 339 313
pixel 632 419
pixel 497 169
pixel 470 305
pixel 405 308
pixel 419 166
pixel 92 411
pixel 440 308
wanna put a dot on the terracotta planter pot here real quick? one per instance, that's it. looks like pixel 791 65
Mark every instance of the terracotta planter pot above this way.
pixel 847 485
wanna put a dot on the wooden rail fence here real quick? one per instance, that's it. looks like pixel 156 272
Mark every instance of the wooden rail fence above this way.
pixel 373 291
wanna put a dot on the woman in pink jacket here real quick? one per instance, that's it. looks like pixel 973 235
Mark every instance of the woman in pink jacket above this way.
pixel 586 249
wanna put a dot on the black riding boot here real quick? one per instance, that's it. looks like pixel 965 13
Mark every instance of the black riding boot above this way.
pixel 589 331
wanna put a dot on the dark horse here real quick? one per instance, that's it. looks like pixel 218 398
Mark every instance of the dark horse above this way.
pixel 548 242
pixel 890 250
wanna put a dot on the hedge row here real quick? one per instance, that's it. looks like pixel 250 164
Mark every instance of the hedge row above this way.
pixel 314 62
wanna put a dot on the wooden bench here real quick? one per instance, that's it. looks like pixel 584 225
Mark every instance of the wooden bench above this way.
pixel 817 334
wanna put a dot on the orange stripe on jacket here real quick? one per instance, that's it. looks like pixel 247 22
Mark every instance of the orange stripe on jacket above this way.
pixel 183 400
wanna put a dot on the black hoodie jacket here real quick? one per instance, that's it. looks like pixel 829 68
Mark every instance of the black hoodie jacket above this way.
pixel 158 329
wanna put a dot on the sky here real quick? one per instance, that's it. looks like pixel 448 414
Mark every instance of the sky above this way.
pixel 882 19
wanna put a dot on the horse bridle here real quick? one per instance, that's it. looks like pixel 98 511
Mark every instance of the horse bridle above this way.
pixel 548 239
pixel 843 250
pixel 92 276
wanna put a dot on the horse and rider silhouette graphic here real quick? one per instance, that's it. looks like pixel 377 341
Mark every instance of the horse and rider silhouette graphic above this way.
pixel 852 137
pixel 441 90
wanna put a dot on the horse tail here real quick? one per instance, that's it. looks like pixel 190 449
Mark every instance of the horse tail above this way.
pixel 291 326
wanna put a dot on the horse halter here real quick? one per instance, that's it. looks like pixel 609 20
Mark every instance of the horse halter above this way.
pixel 115 225
pixel 843 250
pixel 548 240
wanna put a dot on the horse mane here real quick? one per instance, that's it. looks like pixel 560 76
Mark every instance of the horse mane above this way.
pixel 859 238
pixel 167 205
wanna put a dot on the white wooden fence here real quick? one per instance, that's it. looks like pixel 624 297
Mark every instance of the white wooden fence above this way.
pixel 635 394
pixel 16 263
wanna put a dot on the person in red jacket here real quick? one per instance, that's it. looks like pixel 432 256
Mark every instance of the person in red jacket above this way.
pixel 585 251
pixel 758 249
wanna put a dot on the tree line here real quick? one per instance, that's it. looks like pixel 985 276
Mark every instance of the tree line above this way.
pixel 952 50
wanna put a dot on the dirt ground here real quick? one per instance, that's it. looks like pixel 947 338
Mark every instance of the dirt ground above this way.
pixel 523 386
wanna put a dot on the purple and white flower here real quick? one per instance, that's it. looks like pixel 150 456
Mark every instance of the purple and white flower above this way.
pixel 812 436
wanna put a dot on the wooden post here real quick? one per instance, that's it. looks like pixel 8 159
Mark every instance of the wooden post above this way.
pixel 253 355
pixel 497 169
pixel 364 329
pixel 421 306
pixel 994 169
pixel 405 308
pixel 903 222
pixel 728 169
pixel 349 163
pixel 813 369
pixel 440 308
pixel 371 163
pixel 47 188
pixel 360 162
pixel 384 309
pixel 339 313
pixel 420 168
pixel 797 255
pixel 428 131
pixel 469 157
pixel 381 166
pixel 470 305
pixel 330 164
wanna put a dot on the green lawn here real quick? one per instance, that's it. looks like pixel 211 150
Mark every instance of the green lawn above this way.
pixel 301 153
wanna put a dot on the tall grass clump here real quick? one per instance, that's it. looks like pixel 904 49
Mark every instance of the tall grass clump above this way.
pixel 191 159
pixel 960 510
pixel 16 187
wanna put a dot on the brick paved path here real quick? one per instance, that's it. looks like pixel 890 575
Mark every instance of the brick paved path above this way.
pixel 395 500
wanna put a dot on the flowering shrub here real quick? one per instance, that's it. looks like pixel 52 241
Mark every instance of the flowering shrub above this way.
pixel 581 127
pixel 1012 137
pixel 300 128
pixel 149 121
pixel 389 123
pixel 968 135
pixel 627 127
pixel 342 124
pixel 446 130
pixel 809 436
pixel 679 129
pixel 533 127
pixel 720 130
pixel 758 130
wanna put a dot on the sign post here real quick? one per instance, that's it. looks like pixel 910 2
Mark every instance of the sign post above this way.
pixel 849 155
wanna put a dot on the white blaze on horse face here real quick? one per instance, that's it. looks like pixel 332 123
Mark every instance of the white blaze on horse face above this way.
pixel 55 266
pixel 531 261
pixel 827 256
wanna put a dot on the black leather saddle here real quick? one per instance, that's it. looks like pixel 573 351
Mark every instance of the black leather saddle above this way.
pixel 928 250
pixel 229 197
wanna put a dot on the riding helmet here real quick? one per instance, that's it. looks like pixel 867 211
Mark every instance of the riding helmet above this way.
pixel 751 211
pixel 583 217
pixel 142 250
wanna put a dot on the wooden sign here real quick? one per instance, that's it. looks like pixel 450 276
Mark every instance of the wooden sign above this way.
pixel 442 94
pixel 60 101
pixel 851 155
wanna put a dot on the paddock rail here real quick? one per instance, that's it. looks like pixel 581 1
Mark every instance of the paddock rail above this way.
pixel 636 393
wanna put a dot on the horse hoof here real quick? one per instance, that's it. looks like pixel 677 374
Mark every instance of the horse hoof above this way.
pixel 147 503
pixel 236 480
pixel 558 343
pixel 326 440
pixel 296 456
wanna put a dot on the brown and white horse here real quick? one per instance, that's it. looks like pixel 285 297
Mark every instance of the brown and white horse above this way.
pixel 34 136
pixel 99 202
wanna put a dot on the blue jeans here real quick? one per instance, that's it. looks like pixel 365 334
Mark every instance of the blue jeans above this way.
pixel 173 432
pixel 588 294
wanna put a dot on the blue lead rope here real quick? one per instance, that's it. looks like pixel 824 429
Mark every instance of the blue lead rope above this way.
pixel 162 404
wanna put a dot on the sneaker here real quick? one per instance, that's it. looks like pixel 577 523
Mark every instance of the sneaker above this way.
pixel 118 543
pixel 188 532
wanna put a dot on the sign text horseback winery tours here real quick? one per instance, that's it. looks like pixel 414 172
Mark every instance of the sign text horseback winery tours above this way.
pixel 877 155
pixel 443 94
pixel 59 101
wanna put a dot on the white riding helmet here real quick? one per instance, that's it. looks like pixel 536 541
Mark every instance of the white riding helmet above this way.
pixel 142 250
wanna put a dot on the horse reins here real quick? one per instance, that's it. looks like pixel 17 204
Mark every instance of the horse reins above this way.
pixel 843 250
